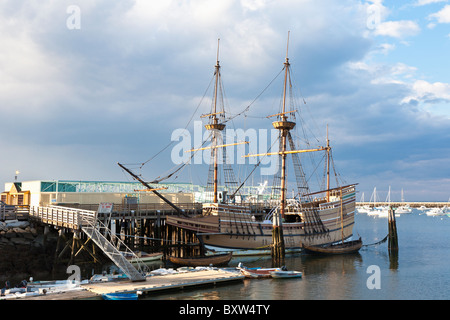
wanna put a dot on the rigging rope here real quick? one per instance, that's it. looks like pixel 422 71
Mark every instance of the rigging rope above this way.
pixel 190 120
pixel 257 97
pixel 376 243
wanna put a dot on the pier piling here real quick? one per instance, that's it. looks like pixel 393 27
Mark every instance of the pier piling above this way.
pixel 278 247
pixel 393 239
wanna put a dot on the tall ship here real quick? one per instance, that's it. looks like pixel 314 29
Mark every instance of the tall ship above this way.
pixel 312 218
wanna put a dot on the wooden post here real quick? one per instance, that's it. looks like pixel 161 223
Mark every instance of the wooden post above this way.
pixel 393 239
pixel 74 242
pixel 278 248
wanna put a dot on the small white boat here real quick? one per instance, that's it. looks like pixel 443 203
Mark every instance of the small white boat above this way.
pixel 436 211
pixel 403 209
pixel 282 274
pixel 373 212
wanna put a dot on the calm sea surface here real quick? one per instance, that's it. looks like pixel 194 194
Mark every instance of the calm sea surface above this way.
pixel 421 270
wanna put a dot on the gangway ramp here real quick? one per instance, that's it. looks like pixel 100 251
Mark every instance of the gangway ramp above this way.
pixel 86 221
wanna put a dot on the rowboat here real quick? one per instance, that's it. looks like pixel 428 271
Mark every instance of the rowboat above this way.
pixel 143 257
pixel 340 248
pixel 281 274
pixel 214 260
pixel 120 296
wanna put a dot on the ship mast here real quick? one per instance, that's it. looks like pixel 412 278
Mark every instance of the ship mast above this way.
pixel 284 126
pixel 328 149
pixel 215 125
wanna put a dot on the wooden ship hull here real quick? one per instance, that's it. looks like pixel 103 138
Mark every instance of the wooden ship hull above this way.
pixel 232 227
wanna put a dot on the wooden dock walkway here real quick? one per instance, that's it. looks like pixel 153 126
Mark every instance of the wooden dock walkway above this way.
pixel 152 284
pixel 158 283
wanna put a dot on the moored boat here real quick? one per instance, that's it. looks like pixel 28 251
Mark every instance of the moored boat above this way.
pixel 198 261
pixel 120 296
pixel 283 274
pixel 340 248
pixel 436 211
pixel 257 273
pixel 144 257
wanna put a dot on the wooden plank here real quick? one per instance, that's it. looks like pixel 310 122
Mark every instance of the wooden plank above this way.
pixel 164 282
pixel 69 295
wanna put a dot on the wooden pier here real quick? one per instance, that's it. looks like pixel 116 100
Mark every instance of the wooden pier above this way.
pixel 152 284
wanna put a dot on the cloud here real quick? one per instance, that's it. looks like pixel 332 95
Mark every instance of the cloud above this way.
pixel 426 2
pixel 426 92
pixel 136 70
pixel 442 16
pixel 397 29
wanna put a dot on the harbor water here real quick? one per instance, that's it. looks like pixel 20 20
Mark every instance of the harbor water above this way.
pixel 420 271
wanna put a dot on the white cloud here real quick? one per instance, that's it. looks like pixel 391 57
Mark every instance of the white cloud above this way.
pixel 423 91
pixel 385 48
pixel 397 29
pixel 253 5
pixel 426 2
pixel 31 80
pixel 442 16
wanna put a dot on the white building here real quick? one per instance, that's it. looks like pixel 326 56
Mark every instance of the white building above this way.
pixel 54 192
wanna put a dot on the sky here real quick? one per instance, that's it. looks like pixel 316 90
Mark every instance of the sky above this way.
pixel 85 84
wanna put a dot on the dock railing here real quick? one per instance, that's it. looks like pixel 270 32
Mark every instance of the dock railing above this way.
pixel 63 216
pixel 14 212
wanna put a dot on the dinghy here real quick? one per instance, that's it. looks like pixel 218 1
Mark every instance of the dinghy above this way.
pixel 120 296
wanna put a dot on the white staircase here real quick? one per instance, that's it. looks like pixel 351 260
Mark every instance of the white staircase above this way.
pixel 93 229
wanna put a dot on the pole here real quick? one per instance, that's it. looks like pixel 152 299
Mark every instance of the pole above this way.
pixel 150 188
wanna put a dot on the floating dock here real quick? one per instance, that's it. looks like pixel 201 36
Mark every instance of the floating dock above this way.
pixel 152 284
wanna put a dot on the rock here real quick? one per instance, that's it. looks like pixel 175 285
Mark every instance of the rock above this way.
pixel 9 234
pixel 28 236
pixel 19 230
pixel 17 224
pixel 20 241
